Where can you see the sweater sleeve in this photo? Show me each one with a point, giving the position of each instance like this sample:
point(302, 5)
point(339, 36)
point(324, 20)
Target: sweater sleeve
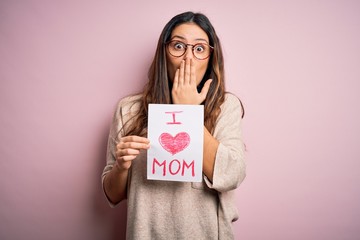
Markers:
point(111, 148)
point(122, 114)
point(229, 168)
point(111, 145)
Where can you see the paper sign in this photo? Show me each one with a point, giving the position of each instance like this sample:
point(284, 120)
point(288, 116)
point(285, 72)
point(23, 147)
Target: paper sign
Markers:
point(176, 134)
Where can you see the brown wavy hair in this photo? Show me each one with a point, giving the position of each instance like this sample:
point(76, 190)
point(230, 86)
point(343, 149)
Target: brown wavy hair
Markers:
point(158, 88)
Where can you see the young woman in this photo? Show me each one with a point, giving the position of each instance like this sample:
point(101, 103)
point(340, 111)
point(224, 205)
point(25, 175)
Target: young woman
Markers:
point(188, 68)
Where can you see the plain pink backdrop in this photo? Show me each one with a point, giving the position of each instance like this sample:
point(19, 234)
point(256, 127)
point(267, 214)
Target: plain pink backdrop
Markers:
point(295, 65)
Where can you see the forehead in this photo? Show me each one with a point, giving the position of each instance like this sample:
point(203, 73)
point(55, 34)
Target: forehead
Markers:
point(189, 32)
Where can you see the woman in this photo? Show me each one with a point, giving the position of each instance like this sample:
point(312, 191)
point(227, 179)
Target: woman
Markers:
point(188, 68)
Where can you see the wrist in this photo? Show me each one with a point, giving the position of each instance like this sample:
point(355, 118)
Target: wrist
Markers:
point(118, 169)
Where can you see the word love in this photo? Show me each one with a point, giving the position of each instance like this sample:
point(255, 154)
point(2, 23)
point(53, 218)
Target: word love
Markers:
point(174, 144)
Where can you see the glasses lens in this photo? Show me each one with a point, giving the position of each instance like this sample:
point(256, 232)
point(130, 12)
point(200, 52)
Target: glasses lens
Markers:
point(176, 48)
point(201, 50)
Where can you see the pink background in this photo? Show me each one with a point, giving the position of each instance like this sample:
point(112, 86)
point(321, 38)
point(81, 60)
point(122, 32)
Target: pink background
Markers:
point(295, 65)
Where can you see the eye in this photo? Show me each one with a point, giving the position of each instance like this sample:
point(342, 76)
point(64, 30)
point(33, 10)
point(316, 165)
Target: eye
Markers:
point(178, 46)
point(199, 48)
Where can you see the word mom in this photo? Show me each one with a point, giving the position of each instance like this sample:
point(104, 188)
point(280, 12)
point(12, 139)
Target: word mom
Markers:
point(173, 167)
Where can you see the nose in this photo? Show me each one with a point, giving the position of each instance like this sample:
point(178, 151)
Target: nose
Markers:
point(189, 52)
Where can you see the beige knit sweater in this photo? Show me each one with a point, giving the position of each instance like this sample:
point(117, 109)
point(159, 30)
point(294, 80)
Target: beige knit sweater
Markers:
point(167, 210)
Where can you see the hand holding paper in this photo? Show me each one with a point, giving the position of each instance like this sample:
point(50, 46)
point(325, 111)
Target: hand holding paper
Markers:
point(128, 148)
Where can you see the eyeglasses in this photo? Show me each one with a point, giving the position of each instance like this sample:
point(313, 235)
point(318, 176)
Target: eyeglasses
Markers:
point(200, 50)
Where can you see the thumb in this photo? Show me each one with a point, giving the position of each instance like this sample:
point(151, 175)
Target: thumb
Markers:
point(205, 89)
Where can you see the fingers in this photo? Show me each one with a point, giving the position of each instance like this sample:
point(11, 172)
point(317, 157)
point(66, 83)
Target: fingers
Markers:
point(128, 149)
point(181, 73)
point(123, 165)
point(126, 158)
point(134, 139)
point(185, 74)
point(187, 71)
point(205, 89)
point(184, 90)
point(132, 145)
point(124, 162)
point(192, 73)
point(176, 79)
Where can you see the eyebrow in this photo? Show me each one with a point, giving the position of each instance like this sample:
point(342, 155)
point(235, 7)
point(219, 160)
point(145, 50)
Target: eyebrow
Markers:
point(197, 39)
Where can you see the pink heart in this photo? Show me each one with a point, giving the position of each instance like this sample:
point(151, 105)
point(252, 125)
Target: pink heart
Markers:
point(174, 144)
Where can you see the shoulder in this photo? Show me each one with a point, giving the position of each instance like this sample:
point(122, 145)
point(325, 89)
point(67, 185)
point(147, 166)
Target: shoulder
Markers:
point(129, 100)
point(231, 98)
point(127, 105)
point(232, 103)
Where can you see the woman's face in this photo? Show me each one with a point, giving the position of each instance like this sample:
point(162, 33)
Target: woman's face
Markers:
point(188, 33)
